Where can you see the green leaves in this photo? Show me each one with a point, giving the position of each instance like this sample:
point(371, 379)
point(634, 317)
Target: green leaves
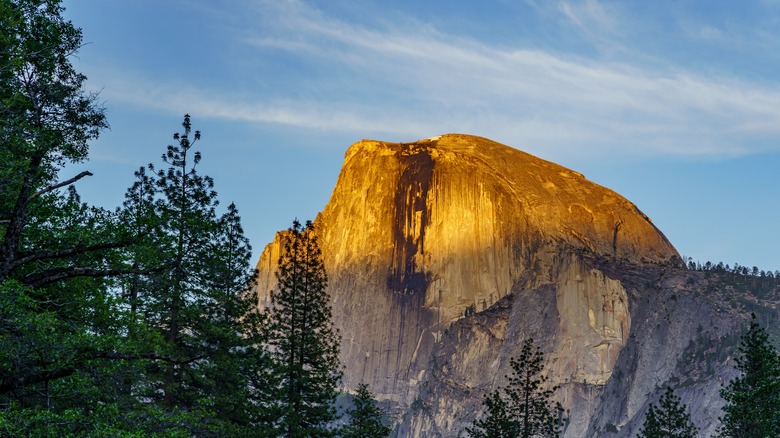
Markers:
point(46, 118)
point(42, 96)
point(499, 421)
point(142, 311)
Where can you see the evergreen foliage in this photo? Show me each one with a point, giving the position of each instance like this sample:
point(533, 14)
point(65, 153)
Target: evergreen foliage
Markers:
point(101, 312)
point(523, 408)
point(113, 323)
point(669, 420)
point(365, 418)
point(302, 341)
point(753, 399)
point(138, 321)
point(192, 309)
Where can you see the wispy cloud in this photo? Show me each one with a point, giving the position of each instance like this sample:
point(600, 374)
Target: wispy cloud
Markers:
point(432, 81)
point(589, 16)
point(327, 116)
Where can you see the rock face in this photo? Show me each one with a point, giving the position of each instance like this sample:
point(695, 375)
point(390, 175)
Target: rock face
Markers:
point(416, 235)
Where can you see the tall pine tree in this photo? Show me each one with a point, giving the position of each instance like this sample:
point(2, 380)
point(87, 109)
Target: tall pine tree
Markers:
point(669, 420)
point(193, 310)
point(88, 297)
point(525, 409)
point(753, 399)
point(302, 341)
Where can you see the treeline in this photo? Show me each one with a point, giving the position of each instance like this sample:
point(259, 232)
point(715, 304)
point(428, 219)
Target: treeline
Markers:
point(736, 269)
point(525, 406)
point(140, 321)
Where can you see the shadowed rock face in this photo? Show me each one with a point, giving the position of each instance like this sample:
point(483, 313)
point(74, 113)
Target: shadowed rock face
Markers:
point(684, 332)
point(416, 233)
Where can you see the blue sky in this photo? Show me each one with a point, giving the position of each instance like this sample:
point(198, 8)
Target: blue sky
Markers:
point(674, 104)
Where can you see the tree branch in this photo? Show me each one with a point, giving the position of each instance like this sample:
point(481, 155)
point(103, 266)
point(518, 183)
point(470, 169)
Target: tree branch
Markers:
point(16, 219)
point(44, 376)
point(58, 185)
point(80, 249)
point(47, 277)
point(11, 384)
point(151, 356)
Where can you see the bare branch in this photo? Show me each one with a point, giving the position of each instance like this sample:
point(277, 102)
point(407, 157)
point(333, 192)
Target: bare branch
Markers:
point(58, 185)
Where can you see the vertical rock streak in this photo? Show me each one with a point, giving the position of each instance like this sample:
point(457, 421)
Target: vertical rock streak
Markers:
point(415, 234)
point(412, 217)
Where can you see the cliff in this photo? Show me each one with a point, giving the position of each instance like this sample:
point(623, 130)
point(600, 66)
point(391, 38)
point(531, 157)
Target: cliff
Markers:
point(417, 233)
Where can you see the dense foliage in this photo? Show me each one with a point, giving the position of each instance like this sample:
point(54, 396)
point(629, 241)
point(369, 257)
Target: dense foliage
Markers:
point(190, 308)
point(57, 320)
point(132, 321)
point(138, 321)
point(524, 407)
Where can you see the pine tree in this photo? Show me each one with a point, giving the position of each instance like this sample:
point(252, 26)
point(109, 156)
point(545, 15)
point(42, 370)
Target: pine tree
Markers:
point(526, 408)
point(234, 332)
point(187, 209)
point(365, 418)
point(669, 420)
point(302, 341)
point(753, 399)
point(193, 310)
point(87, 295)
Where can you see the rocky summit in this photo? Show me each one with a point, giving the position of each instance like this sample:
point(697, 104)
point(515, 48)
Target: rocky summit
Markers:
point(444, 254)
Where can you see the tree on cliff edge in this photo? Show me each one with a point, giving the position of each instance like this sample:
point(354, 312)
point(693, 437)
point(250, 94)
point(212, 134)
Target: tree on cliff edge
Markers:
point(753, 399)
point(302, 341)
point(669, 420)
point(525, 409)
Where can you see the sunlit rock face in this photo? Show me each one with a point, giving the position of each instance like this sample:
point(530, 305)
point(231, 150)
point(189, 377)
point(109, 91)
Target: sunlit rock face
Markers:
point(417, 233)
